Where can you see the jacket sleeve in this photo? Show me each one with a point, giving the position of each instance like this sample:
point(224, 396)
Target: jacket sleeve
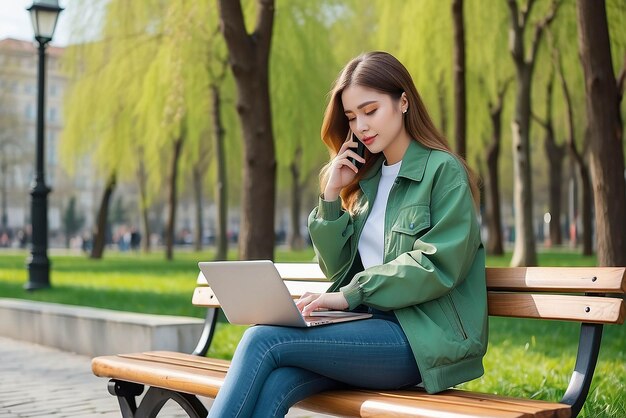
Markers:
point(331, 228)
point(438, 261)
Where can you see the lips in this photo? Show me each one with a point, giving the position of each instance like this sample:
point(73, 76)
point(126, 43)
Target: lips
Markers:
point(367, 140)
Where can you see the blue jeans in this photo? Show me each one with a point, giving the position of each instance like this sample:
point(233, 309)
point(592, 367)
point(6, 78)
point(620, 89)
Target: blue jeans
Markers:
point(275, 367)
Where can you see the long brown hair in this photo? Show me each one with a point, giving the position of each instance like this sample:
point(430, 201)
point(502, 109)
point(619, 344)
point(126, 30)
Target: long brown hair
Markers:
point(380, 71)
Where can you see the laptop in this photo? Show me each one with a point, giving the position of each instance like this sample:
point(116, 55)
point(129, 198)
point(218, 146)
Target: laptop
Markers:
point(252, 292)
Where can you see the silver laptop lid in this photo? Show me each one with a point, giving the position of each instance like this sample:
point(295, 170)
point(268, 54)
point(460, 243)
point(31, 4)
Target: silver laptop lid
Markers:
point(252, 292)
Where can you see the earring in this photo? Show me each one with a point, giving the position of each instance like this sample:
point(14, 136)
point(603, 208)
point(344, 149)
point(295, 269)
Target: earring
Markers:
point(404, 111)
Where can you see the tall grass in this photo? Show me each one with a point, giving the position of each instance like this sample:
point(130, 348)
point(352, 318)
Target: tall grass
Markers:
point(526, 358)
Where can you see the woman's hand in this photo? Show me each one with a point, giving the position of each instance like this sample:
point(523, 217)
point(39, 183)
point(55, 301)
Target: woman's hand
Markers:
point(310, 302)
point(342, 171)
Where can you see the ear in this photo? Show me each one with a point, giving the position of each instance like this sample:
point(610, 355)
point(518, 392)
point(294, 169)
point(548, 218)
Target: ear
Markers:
point(404, 103)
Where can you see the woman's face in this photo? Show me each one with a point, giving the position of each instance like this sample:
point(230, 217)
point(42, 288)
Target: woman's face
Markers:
point(377, 120)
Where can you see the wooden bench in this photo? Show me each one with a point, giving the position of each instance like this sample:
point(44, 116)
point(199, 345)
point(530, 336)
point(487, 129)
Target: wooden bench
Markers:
point(552, 293)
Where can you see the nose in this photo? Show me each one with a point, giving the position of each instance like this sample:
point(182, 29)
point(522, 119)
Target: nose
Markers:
point(361, 125)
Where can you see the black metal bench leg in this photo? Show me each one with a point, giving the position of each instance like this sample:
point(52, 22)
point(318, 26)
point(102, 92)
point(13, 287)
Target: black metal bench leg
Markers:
point(126, 393)
point(210, 323)
point(153, 401)
point(155, 398)
point(588, 350)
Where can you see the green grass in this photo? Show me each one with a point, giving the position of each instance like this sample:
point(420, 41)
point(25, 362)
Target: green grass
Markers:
point(526, 358)
point(122, 281)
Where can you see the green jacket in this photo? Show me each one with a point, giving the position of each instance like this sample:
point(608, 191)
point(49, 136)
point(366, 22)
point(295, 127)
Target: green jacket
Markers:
point(433, 276)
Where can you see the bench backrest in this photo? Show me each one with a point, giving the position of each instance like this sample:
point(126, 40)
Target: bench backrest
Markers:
point(592, 296)
point(561, 293)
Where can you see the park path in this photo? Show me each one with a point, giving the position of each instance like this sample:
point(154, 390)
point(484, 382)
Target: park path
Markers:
point(37, 381)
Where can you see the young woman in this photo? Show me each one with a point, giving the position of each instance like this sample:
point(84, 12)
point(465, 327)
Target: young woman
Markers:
point(399, 238)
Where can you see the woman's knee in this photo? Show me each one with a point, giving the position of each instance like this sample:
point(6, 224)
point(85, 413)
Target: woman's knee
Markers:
point(264, 338)
point(257, 335)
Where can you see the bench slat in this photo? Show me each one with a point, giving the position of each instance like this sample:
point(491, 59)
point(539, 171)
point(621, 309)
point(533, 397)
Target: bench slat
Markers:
point(398, 408)
point(519, 305)
point(180, 360)
point(419, 403)
point(560, 279)
point(598, 310)
point(289, 271)
point(301, 271)
point(557, 279)
point(193, 380)
point(537, 408)
point(544, 409)
point(204, 296)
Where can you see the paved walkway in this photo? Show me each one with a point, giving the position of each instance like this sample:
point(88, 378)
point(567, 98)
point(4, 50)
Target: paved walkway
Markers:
point(37, 381)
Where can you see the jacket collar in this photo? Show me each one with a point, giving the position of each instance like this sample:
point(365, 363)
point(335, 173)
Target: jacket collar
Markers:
point(413, 163)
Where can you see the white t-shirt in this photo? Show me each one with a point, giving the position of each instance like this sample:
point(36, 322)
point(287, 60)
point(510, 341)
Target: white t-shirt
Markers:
point(372, 240)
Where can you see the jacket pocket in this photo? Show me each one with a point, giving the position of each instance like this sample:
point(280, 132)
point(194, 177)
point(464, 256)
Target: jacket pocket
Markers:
point(409, 223)
point(449, 309)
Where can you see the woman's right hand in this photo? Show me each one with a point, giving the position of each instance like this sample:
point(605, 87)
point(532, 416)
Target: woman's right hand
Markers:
point(342, 171)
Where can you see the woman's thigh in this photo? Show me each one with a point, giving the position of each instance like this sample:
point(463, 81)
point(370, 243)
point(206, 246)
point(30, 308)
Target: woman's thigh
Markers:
point(371, 353)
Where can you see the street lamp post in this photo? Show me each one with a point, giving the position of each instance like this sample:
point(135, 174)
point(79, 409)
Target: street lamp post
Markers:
point(44, 15)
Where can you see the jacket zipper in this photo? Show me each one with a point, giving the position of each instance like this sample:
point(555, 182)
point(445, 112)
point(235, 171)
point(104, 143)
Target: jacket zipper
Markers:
point(457, 318)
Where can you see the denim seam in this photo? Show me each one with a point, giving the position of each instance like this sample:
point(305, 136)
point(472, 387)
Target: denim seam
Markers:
point(256, 375)
point(295, 388)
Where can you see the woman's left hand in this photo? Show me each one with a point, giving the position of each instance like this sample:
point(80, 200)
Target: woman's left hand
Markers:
point(310, 302)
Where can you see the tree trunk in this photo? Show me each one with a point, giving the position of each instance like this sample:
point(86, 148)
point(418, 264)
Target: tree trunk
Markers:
point(249, 61)
point(524, 253)
point(492, 186)
point(606, 153)
point(100, 232)
point(145, 219)
point(221, 197)
point(197, 187)
point(555, 154)
point(295, 240)
point(555, 157)
point(578, 160)
point(170, 230)
point(459, 78)
point(586, 212)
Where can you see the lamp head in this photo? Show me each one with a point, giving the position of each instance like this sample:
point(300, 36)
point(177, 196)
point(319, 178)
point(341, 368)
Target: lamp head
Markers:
point(44, 15)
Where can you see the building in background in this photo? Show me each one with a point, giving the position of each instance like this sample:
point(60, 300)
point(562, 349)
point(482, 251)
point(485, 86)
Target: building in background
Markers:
point(18, 118)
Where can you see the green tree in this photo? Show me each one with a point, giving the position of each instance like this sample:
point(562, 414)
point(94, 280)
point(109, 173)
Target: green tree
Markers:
point(72, 221)
point(221, 188)
point(148, 79)
point(249, 61)
point(606, 131)
point(555, 153)
point(524, 253)
point(99, 121)
point(301, 71)
point(101, 227)
point(492, 199)
point(119, 213)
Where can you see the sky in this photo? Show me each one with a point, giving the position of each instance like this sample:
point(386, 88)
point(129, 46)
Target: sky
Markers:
point(15, 22)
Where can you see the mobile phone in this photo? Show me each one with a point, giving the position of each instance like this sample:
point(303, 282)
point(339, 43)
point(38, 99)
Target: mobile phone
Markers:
point(360, 150)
